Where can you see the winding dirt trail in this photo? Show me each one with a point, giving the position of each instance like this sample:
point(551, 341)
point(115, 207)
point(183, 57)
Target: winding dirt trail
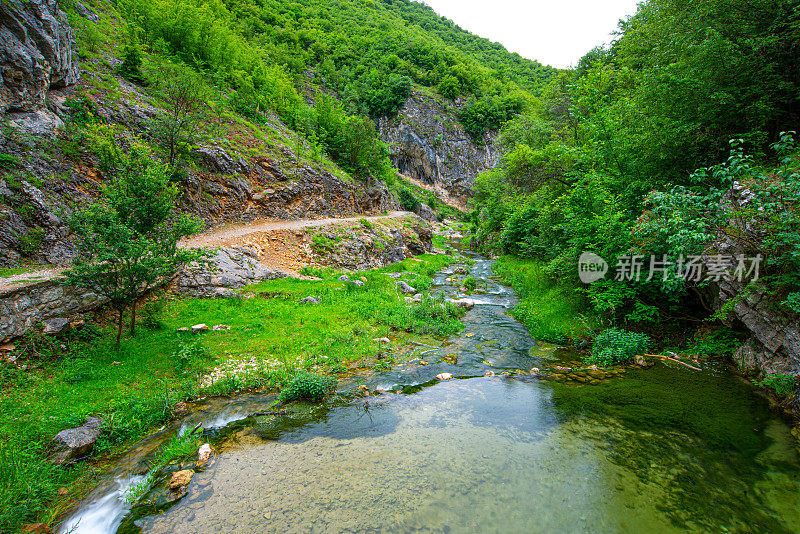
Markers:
point(217, 236)
point(221, 234)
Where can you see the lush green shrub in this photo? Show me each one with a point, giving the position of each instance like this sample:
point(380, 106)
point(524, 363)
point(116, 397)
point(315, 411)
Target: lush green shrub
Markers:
point(470, 283)
point(131, 66)
point(8, 160)
point(480, 116)
point(408, 201)
point(188, 352)
point(782, 384)
point(617, 346)
point(307, 386)
point(31, 242)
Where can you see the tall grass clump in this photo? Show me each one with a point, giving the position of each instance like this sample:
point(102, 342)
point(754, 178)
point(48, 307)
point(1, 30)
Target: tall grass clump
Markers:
point(27, 483)
point(549, 310)
point(617, 346)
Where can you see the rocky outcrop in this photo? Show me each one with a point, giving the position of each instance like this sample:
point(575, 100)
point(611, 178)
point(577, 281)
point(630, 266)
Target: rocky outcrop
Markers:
point(37, 52)
point(227, 270)
point(360, 248)
point(429, 144)
point(774, 343)
point(237, 190)
point(75, 443)
point(24, 307)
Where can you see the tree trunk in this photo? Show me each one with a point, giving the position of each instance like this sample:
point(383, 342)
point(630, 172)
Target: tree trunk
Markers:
point(133, 319)
point(119, 326)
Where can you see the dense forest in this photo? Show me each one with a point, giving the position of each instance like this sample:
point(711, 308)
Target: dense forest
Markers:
point(635, 151)
point(368, 54)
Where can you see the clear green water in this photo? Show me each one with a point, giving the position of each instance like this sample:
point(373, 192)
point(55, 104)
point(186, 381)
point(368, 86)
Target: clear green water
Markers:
point(659, 450)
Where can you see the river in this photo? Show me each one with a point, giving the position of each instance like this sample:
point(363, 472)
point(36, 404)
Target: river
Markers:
point(665, 449)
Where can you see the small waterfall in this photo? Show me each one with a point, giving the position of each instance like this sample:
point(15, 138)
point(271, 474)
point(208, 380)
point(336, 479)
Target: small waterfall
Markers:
point(105, 514)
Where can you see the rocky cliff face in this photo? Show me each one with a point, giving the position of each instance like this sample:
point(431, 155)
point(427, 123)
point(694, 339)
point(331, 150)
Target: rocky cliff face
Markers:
point(429, 144)
point(37, 52)
point(774, 343)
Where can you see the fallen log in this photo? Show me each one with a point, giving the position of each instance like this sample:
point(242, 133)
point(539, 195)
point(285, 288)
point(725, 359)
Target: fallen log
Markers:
point(660, 356)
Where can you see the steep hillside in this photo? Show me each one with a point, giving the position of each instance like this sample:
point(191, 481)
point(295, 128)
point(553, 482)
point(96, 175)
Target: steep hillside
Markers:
point(263, 110)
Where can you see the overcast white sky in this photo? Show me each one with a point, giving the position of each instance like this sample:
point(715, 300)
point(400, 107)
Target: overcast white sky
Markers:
point(555, 32)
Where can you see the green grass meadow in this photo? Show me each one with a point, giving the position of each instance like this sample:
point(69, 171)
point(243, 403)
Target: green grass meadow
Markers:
point(134, 386)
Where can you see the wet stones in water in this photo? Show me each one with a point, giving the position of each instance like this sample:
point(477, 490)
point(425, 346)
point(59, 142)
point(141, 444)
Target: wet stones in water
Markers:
point(444, 376)
point(451, 359)
point(204, 455)
point(179, 480)
point(467, 304)
point(460, 269)
point(488, 374)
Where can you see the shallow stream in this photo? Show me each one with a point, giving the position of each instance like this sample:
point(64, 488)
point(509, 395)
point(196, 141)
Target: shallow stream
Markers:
point(665, 449)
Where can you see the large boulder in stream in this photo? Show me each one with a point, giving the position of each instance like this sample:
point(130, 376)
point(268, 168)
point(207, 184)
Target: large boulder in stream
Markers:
point(75, 443)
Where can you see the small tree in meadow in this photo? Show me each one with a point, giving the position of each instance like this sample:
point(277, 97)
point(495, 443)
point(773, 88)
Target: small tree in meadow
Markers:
point(129, 238)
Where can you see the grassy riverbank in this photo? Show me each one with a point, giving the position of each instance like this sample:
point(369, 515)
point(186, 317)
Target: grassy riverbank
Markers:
point(134, 387)
point(549, 311)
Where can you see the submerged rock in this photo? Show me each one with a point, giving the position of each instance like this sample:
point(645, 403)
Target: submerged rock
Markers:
point(467, 304)
point(180, 479)
point(75, 443)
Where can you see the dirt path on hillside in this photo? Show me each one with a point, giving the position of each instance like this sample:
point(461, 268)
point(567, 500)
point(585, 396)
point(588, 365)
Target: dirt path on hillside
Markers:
point(222, 234)
point(281, 257)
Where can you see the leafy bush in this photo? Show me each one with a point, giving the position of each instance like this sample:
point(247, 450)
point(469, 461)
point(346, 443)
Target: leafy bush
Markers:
point(307, 386)
point(187, 352)
point(617, 346)
point(783, 384)
point(408, 201)
point(31, 242)
point(8, 161)
point(792, 302)
point(470, 283)
point(366, 224)
point(722, 342)
point(480, 116)
point(131, 66)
